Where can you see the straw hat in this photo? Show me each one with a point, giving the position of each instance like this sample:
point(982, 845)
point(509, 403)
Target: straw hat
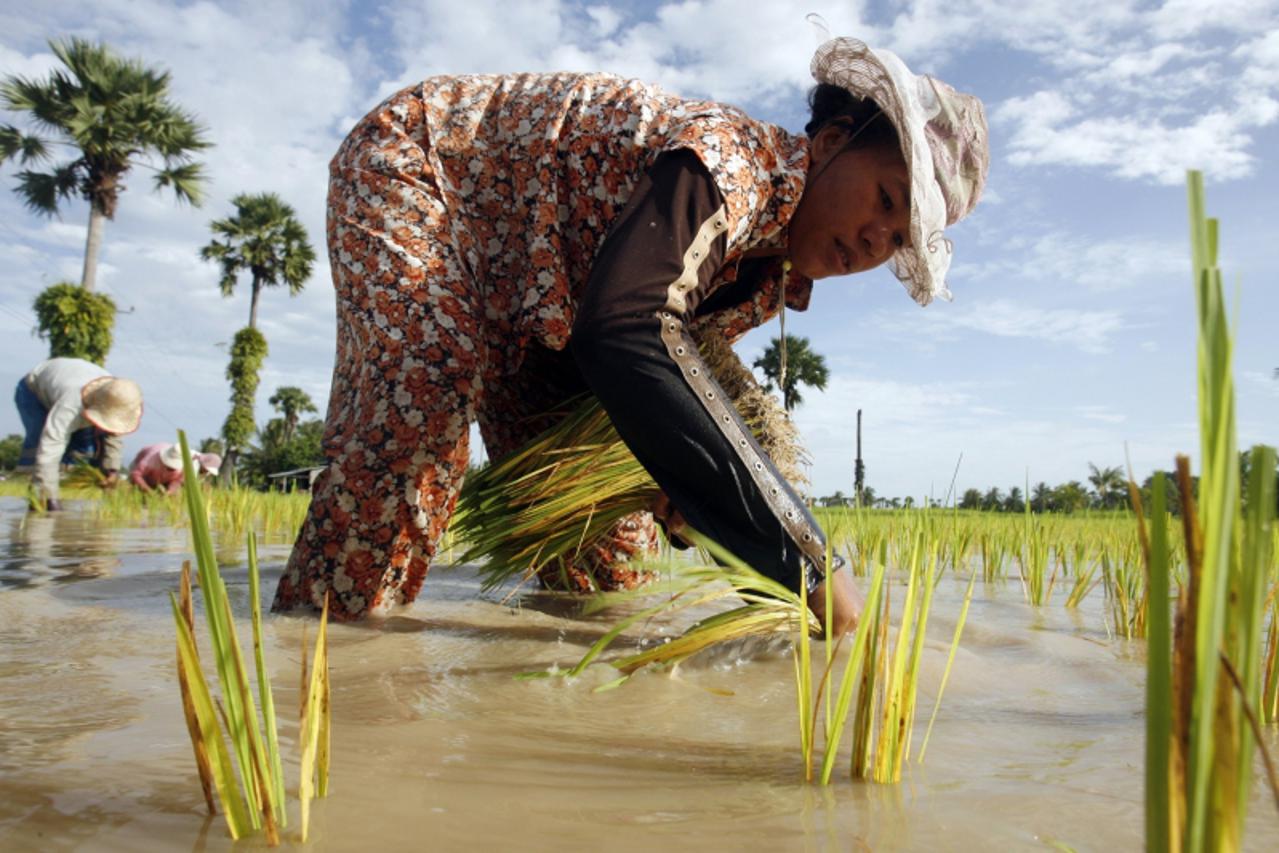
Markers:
point(943, 139)
point(171, 456)
point(210, 463)
point(112, 405)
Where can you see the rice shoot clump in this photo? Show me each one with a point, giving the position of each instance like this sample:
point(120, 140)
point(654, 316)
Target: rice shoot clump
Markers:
point(1204, 666)
point(246, 774)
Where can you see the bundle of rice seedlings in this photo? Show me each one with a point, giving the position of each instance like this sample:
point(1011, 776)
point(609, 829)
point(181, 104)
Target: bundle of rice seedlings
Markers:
point(247, 776)
point(548, 502)
point(1204, 666)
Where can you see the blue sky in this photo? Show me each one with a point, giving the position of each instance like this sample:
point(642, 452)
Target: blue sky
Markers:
point(1071, 334)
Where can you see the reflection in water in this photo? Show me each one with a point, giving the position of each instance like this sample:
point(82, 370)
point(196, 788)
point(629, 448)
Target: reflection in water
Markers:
point(1039, 739)
point(53, 547)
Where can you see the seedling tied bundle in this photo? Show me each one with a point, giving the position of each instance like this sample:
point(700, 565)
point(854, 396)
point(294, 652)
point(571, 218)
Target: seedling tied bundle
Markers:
point(534, 511)
point(247, 776)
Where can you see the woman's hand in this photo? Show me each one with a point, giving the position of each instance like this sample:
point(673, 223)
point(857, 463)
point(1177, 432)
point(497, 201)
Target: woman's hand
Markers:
point(670, 519)
point(846, 603)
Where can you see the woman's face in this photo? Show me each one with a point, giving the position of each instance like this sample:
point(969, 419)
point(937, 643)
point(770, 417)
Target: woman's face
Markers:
point(855, 211)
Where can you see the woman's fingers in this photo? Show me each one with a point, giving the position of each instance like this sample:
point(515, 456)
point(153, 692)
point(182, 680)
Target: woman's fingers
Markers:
point(671, 520)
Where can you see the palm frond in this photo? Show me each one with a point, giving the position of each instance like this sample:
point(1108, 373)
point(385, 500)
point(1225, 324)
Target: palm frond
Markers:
point(187, 182)
point(27, 148)
point(41, 191)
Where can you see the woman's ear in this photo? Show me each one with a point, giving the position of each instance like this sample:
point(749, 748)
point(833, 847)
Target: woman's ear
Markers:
point(828, 142)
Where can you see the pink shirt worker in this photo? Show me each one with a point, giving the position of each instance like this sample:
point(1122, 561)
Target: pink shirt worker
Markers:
point(157, 465)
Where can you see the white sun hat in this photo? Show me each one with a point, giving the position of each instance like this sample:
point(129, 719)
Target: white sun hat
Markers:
point(210, 463)
point(171, 456)
point(112, 404)
point(943, 140)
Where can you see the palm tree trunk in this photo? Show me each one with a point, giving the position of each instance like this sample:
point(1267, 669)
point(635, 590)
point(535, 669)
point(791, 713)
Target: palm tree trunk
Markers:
point(227, 473)
point(253, 303)
point(93, 241)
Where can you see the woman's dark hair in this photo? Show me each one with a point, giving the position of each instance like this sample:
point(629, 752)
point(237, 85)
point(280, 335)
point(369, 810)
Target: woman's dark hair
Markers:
point(836, 105)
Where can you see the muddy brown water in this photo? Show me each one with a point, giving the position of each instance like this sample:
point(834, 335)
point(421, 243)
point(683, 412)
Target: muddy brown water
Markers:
point(438, 747)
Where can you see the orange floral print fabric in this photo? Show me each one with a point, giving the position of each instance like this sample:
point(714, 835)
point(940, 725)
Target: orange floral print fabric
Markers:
point(463, 217)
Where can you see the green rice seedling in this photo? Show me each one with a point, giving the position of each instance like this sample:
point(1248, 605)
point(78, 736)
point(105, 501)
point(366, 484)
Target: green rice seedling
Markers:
point(252, 798)
point(250, 805)
point(1270, 691)
point(1204, 676)
point(804, 687)
point(855, 667)
point(950, 660)
point(994, 551)
point(314, 725)
point(886, 679)
point(187, 611)
point(1126, 596)
point(1036, 581)
point(868, 547)
point(902, 679)
point(960, 543)
point(1084, 570)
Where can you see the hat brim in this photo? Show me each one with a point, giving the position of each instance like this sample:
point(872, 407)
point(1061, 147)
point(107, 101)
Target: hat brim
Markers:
point(116, 423)
point(171, 457)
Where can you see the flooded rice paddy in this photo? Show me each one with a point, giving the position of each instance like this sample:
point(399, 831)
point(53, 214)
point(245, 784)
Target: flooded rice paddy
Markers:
point(438, 747)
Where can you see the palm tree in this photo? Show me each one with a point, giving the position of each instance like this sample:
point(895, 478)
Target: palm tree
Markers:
point(992, 501)
point(264, 238)
point(115, 113)
point(1071, 496)
point(1108, 483)
point(1041, 499)
point(1014, 502)
point(291, 402)
point(803, 367)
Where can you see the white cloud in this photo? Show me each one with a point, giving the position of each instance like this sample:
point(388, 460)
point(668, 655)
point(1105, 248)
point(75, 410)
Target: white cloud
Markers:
point(1262, 381)
point(1048, 130)
point(33, 67)
point(1180, 18)
point(1140, 93)
point(1088, 331)
point(1071, 262)
point(1100, 413)
point(694, 48)
point(1260, 58)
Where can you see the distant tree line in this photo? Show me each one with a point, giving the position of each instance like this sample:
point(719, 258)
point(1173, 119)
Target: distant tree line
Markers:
point(1107, 489)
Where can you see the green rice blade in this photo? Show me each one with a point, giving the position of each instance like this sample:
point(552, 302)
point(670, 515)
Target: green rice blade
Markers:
point(233, 805)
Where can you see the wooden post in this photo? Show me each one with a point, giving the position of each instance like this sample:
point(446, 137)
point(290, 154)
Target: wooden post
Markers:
point(859, 469)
